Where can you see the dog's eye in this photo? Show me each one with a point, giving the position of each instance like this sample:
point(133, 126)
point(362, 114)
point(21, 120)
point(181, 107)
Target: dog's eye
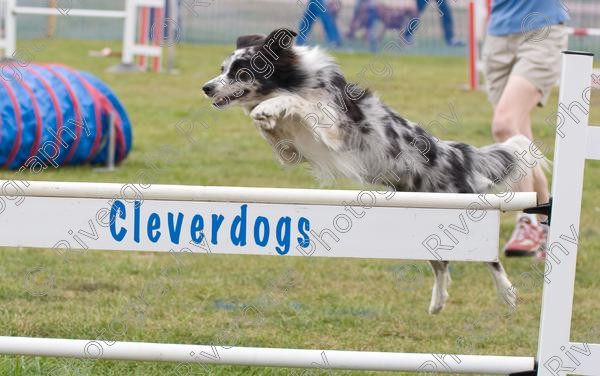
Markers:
point(222, 69)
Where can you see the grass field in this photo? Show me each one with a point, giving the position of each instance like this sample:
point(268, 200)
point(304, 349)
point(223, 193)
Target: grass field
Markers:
point(304, 302)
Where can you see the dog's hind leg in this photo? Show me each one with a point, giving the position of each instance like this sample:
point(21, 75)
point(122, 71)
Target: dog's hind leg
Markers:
point(441, 281)
point(503, 285)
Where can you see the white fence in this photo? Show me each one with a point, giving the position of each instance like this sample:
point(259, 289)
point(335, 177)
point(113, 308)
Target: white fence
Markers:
point(9, 10)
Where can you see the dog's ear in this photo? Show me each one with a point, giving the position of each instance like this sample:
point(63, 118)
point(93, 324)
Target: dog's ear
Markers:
point(279, 41)
point(249, 40)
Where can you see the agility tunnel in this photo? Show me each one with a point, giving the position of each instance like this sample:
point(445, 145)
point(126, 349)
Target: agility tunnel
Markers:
point(53, 115)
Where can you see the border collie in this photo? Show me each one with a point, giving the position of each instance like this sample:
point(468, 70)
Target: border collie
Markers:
point(298, 95)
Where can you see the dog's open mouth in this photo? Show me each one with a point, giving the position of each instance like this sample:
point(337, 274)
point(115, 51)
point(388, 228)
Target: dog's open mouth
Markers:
point(226, 100)
point(221, 101)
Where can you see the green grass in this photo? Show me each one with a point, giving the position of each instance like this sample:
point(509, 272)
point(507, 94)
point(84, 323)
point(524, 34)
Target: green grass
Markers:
point(305, 303)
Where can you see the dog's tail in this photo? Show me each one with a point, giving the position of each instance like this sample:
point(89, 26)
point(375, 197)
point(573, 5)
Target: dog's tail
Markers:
point(510, 165)
point(521, 144)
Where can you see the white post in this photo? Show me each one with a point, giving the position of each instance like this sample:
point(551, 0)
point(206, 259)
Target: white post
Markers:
point(10, 32)
point(561, 253)
point(129, 32)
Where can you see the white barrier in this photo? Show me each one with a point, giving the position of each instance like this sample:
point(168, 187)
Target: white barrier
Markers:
point(44, 200)
point(260, 221)
point(265, 357)
point(578, 143)
point(9, 10)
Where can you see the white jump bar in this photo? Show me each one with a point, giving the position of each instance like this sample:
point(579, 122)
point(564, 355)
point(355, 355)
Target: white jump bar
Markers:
point(70, 12)
point(150, 3)
point(519, 201)
point(140, 49)
point(265, 357)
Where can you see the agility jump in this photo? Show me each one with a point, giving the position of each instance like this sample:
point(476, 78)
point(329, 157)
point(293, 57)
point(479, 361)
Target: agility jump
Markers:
point(282, 222)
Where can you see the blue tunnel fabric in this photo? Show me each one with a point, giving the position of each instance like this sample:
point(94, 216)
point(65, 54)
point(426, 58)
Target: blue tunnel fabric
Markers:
point(53, 115)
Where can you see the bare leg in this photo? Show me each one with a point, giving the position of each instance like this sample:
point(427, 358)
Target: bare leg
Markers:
point(512, 117)
point(441, 281)
point(511, 114)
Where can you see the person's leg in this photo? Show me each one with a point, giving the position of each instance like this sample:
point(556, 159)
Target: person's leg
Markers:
point(512, 113)
point(408, 34)
point(512, 117)
point(513, 98)
point(306, 22)
point(355, 22)
point(331, 31)
point(421, 4)
point(535, 72)
point(446, 21)
point(371, 23)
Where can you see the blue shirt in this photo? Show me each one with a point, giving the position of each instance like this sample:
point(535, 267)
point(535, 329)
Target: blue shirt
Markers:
point(522, 16)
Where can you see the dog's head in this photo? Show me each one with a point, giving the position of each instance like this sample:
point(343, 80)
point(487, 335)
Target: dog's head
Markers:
point(259, 66)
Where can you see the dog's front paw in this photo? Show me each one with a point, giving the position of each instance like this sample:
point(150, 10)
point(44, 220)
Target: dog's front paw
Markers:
point(264, 116)
point(263, 121)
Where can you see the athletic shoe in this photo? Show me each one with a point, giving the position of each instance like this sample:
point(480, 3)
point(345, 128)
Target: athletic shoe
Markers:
point(526, 240)
point(455, 42)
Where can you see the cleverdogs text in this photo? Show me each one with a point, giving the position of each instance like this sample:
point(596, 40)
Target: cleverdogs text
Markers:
point(129, 222)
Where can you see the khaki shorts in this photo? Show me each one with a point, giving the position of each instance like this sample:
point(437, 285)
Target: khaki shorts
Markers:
point(535, 57)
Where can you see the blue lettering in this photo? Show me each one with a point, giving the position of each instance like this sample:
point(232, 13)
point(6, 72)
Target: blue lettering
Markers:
point(304, 229)
point(175, 229)
point(117, 207)
point(217, 221)
point(239, 224)
point(197, 228)
point(265, 238)
point(136, 221)
point(153, 226)
point(284, 230)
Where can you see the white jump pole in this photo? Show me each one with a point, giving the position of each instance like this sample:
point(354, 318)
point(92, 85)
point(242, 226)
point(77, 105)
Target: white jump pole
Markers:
point(266, 357)
point(575, 142)
point(519, 201)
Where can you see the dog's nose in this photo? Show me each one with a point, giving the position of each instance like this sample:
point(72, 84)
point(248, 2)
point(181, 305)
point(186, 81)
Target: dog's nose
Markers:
point(207, 89)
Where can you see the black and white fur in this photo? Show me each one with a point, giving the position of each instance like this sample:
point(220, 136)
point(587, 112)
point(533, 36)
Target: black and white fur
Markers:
point(283, 87)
